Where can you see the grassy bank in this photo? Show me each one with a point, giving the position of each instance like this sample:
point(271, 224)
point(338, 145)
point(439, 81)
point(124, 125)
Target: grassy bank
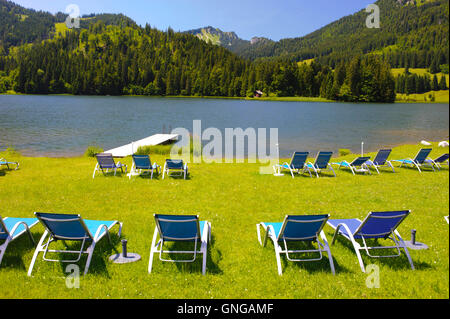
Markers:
point(429, 97)
point(234, 198)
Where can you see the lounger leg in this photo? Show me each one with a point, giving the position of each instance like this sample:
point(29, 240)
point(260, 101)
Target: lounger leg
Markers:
point(355, 244)
point(3, 248)
point(402, 245)
point(391, 166)
point(153, 249)
point(328, 250)
point(90, 252)
point(331, 168)
point(39, 248)
point(95, 170)
point(277, 255)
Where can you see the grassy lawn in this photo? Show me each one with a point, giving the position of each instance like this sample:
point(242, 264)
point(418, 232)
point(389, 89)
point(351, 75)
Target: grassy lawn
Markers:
point(429, 97)
point(234, 198)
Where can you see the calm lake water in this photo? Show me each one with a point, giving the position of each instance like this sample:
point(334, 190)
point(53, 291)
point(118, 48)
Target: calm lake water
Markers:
point(67, 125)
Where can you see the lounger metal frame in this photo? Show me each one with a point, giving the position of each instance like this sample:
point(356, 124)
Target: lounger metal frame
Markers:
point(376, 164)
point(157, 247)
point(415, 162)
point(436, 161)
point(144, 171)
point(315, 167)
point(322, 246)
point(6, 163)
point(392, 235)
point(293, 168)
point(354, 169)
point(10, 234)
point(88, 239)
point(178, 171)
point(105, 170)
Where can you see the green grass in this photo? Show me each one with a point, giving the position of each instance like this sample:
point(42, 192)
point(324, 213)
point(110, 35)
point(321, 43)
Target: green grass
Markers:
point(234, 198)
point(398, 71)
point(429, 97)
point(61, 28)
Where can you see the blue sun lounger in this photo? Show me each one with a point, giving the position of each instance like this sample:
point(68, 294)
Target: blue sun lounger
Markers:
point(297, 229)
point(105, 163)
point(13, 228)
point(178, 228)
point(377, 225)
point(357, 166)
point(419, 161)
point(4, 162)
point(321, 164)
point(438, 162)
point(71, 227)
point(142, 165)
point(175, 168)
point(297, 164)
point(381, 160)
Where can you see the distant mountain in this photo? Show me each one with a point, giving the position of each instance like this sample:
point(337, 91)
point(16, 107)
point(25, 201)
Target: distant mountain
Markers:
point(20, 25)
point(229, 40)
point(413, 33)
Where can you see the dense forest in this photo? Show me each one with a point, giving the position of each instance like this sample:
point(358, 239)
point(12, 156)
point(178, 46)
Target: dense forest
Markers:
point(112, 55)
point(410, 35)
point(115, 60)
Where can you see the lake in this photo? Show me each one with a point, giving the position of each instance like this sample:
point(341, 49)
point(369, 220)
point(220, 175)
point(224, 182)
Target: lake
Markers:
point(59, 126)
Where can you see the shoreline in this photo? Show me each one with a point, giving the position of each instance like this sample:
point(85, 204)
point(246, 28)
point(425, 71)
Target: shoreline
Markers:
point(272, 98)
point(18, 153)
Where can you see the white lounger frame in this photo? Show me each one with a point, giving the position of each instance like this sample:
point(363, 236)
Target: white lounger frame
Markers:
point(279, 168)
point(118, 165)
point(369, 163)
point(89, 250)
point(270, 232)
point(178, 172)
point(432, 162)
point(364, 168)
point(135, 171)
point(317, 171)
point(395, 237)
point(157, 246)
point(412, 162)
point(10, 238)
point(6, 163)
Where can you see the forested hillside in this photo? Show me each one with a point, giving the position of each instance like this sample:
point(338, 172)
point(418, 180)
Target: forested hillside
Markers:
point(112, 55)
point(410, 35)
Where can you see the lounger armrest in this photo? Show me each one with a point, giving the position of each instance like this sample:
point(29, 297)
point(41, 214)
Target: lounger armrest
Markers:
point(97, 236)
point(17, 225)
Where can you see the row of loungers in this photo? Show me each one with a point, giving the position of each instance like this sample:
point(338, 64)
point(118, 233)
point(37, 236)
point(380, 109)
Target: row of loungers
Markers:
point(141, 165)
point(361, 164)
point(189, 228)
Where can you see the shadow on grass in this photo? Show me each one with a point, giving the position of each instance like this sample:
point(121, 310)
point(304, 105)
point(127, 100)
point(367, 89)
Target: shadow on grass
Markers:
point(178, 177)
point(16, 249)
point(213, 257)
point(396, 263)
point(311, 266)
point(103, 250)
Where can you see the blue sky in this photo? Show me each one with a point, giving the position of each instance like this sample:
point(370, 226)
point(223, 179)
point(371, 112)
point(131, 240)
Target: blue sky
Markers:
point(268, 18)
